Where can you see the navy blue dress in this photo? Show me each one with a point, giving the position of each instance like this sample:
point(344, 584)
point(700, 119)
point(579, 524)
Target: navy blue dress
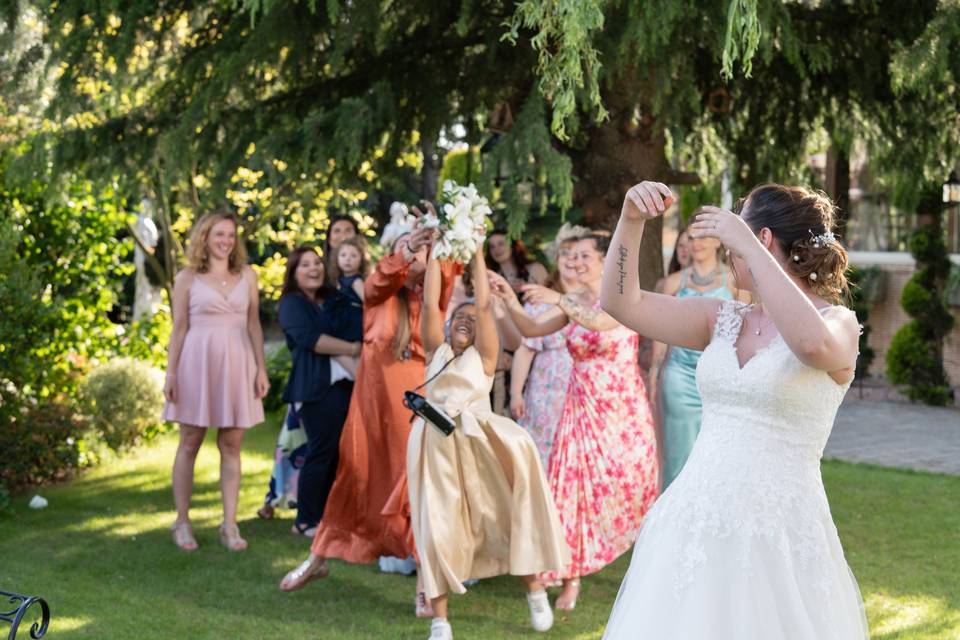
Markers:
point(322, 405)
point(344, 311)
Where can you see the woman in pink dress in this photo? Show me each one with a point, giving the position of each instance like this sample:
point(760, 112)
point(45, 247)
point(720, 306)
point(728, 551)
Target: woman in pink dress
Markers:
point(540, 372)
point(603, 469)
point(215, 368)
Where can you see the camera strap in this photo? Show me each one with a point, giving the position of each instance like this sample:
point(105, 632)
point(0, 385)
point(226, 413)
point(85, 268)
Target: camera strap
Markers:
point(431, 378)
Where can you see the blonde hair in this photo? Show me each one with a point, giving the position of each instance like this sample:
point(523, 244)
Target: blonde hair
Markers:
point(401, 340)
point(360, 244)
point(197, 257)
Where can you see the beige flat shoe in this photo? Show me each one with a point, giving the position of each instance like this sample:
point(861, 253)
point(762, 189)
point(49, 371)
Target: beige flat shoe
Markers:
point(567, 601)
point(230, 538)
point(183, 536)
point(307, 572)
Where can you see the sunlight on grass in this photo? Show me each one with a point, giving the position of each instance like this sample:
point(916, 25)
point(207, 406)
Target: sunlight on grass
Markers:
point(102, 556)
point(895, 616)
point(62, 624)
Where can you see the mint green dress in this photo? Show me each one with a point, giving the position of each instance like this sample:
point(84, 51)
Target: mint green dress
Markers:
point(679, 398)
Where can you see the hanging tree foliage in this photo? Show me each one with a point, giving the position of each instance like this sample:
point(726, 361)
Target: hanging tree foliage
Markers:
point(605, 93)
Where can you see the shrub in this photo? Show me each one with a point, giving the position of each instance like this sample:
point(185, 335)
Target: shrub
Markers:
point(6, 506)
point(912, 360)
point(279, 363)
point(861, 307)
point(124, 399)
point(45, 442)
point(915, 357)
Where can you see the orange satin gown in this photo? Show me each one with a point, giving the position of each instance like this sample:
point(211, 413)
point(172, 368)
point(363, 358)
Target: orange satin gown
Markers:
point(364, 518)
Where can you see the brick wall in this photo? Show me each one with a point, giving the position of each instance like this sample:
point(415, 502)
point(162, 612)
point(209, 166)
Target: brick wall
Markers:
point(888, 316)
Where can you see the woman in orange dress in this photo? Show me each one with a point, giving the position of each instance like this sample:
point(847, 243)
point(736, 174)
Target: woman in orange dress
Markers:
point(363, 518)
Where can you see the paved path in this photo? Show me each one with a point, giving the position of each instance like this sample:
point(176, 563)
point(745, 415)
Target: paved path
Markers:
point(897, 435)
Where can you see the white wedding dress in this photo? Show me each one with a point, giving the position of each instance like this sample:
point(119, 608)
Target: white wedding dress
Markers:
point(742, 546)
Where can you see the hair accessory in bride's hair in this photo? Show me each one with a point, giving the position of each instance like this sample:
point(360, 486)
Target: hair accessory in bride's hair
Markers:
point(796, 258)
point(822, 239)
point(813, 276)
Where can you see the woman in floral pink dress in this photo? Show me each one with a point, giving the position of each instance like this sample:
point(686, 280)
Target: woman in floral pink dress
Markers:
point(603, 468)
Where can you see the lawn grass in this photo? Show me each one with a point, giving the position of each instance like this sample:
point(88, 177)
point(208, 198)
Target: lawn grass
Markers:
point(102, 555)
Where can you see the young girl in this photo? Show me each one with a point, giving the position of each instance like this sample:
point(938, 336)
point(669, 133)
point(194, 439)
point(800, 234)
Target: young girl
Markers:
point(345, 307)
point(479, 500)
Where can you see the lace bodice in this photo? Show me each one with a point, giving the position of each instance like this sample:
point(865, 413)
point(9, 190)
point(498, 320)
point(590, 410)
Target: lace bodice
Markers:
point(774, 398)
point(755, 467)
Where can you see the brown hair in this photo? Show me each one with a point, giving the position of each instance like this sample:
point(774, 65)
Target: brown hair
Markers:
point(360, 244)
point(802, 221)
point(290, 285)
point(401, 340)
point(518, 251)
point(675, 259)
point(197, 257)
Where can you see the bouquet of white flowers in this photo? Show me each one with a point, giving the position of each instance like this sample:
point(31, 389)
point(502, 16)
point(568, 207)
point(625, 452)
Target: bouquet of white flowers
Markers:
point(463, 221)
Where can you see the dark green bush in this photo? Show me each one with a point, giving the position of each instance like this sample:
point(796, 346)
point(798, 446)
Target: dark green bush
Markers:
point(124, 400)
point(278, 369)
point(861, 308)
point(6, 505)
point(912, 361)
point(46, 442)
point(915, 356)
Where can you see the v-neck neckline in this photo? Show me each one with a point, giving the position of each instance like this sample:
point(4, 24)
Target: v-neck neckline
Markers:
point(736, 341)
point(217, 291)
point(765, 347)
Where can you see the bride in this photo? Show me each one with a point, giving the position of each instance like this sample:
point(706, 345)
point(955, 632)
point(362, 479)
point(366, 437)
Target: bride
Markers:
point(742, 545)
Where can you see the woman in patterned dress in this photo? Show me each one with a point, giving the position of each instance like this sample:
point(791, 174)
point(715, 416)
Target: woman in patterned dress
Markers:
point(603, 469)
point(540, 374)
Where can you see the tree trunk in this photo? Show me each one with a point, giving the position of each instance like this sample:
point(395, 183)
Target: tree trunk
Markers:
point(431, 168)
point(838, 186)
point(621, 152)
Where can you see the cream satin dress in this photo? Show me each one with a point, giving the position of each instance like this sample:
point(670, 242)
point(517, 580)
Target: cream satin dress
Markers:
point(479, 499)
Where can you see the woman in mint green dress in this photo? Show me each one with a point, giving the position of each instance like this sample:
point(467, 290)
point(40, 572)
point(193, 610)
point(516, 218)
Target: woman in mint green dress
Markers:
point(679, 400)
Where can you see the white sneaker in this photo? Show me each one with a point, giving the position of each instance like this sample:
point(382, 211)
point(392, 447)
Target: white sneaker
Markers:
point(440, 629)
point(390, 564)
point(541, 615)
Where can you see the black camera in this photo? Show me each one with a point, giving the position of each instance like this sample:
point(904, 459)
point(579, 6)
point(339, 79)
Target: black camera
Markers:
point(429, 412)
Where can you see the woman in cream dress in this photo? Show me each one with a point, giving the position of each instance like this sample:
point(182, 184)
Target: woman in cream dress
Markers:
point(479, 500)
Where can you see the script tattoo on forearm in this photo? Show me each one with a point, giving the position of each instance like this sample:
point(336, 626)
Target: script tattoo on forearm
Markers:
point(581, 314)
point(621, 271)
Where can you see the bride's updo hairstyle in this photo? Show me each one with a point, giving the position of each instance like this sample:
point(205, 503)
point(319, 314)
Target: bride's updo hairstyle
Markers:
point(801, 221)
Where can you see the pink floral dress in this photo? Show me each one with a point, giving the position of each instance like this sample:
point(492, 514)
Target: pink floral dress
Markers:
point(545, 392)
point(603, 469)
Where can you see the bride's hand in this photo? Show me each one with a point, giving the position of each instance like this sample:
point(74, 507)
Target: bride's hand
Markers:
point(728, 228)
point(646, 200)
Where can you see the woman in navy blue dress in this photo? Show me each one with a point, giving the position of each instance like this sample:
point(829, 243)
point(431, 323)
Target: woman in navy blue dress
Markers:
point(319, 387)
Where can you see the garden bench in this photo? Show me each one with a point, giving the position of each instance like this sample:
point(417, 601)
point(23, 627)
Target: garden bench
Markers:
point(15, 616)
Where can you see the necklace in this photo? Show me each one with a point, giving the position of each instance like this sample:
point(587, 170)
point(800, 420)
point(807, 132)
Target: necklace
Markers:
point(761, 326)
point(702, 281)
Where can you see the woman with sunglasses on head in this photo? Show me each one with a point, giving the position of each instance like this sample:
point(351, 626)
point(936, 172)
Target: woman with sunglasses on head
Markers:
point(603, 466)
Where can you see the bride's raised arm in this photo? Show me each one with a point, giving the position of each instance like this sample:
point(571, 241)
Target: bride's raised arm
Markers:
point(685, 322)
